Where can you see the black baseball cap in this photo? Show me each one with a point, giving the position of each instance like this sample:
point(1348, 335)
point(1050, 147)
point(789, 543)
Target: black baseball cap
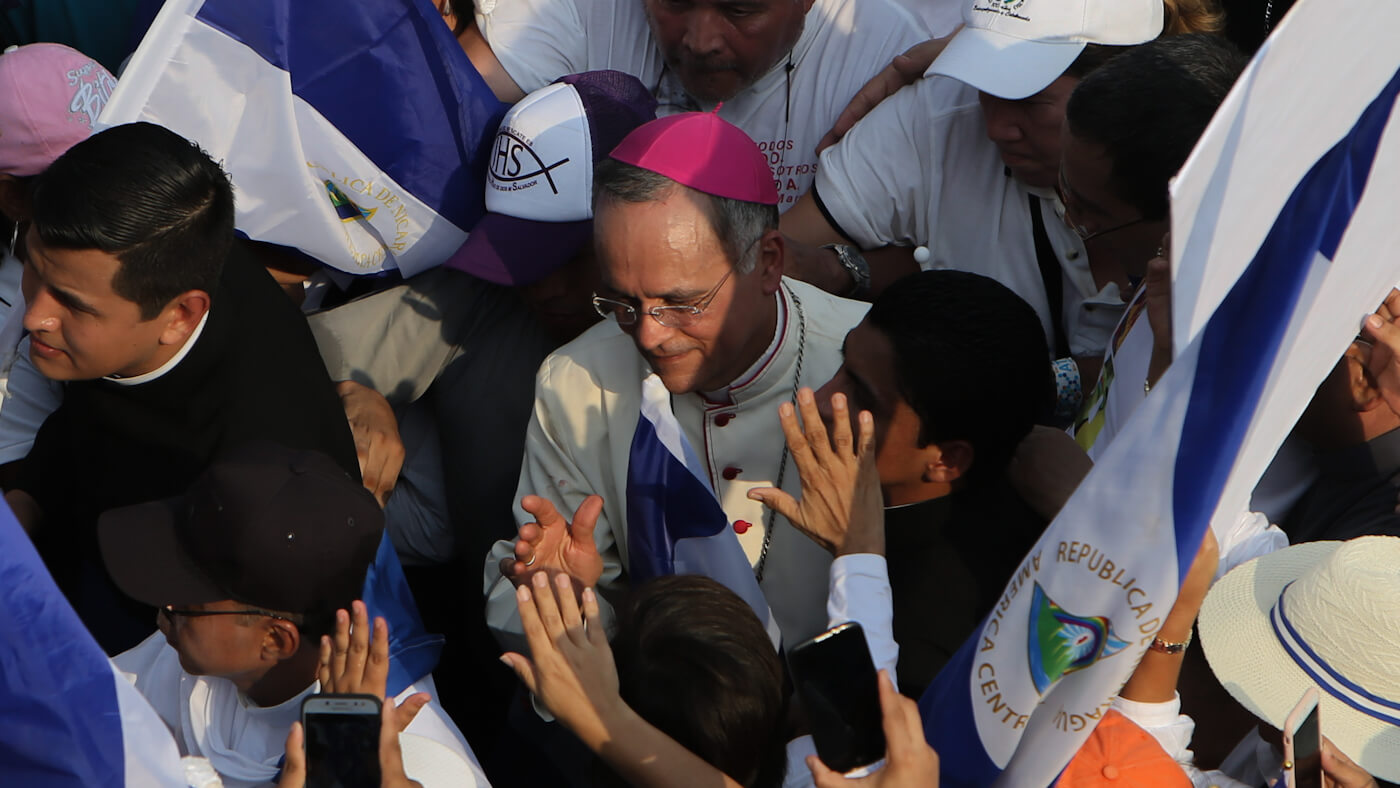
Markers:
point(264, 525)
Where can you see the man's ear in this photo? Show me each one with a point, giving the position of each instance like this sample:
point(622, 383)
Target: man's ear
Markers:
point(282, 640)
point(1365, 393)
point(948, 461)
point(772, 257)
point(182, 316)
point(14, 198)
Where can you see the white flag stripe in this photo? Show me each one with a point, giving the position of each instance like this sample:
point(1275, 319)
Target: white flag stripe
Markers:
point(151, 757)
point(249, 120)
point(1301, 94)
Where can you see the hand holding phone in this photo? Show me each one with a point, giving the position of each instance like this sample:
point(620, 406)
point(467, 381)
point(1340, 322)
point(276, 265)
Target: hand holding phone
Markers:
point(342, 740)
point(1302, 744)
point(836, 680)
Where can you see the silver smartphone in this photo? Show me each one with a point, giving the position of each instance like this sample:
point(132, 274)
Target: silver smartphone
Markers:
point(342, 740)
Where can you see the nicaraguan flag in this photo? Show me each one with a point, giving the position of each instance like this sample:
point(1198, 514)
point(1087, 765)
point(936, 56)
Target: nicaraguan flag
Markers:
point(1284, 228)
point(675, 525)
point(413, 650)
point(353, 131)
point(67, 717)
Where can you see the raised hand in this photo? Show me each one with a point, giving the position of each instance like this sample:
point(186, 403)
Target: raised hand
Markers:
point(553, 545)
point(356, 660)
point(571, 667)
point(1384, 363)
point(841, 507)
point(909, 761)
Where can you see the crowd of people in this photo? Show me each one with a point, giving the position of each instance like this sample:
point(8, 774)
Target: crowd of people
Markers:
point(875, 301)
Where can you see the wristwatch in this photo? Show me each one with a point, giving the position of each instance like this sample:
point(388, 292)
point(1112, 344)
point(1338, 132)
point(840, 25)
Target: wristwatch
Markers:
point(854, 262)
point(1164, 647)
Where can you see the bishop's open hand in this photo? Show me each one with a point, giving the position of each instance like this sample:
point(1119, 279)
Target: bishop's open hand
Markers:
point(554, 545)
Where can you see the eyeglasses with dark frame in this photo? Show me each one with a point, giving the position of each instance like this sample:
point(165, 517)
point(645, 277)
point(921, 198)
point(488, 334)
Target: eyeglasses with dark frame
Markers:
point(1062, 191)
point(171, 612)
point(669, 316)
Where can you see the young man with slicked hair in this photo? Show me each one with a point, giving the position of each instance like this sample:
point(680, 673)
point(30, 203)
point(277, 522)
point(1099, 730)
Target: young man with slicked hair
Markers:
point(171, 344)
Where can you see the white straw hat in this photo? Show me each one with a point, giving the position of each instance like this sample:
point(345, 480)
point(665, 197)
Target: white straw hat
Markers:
point(1016, 48)
point(1323, 614)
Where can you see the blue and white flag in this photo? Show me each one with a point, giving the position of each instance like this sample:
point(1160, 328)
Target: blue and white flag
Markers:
point(413, 650)
point(675, 525)
point(353, 131)
point(1284, 231)
point(67, 717)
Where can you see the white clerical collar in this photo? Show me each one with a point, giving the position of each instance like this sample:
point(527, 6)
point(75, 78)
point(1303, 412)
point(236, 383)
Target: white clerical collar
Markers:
point(723, 395)
point(184, 350)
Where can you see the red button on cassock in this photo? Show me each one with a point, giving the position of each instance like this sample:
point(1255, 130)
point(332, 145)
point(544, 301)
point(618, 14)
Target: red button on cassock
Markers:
point(731, 473)
point(723, 419)
point(741, 526)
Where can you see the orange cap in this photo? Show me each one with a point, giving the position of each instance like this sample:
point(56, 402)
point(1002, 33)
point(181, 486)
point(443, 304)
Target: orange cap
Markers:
point(1119, 754)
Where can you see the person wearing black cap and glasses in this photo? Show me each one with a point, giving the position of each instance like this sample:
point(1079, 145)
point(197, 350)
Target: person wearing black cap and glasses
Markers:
point(249, 570)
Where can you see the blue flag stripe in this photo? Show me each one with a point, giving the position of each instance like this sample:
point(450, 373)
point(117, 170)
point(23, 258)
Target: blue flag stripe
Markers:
point(946, 708)
point(62, 724)
point(666, 502)
point(1256, 315)
point(431, 110)
point(413, 651)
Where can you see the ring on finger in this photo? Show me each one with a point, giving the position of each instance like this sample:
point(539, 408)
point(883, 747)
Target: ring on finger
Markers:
point(531, 562)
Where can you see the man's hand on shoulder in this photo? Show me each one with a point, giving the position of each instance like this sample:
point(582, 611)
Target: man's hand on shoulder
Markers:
point(375, 429)
point(554, 545)
point(905, 69)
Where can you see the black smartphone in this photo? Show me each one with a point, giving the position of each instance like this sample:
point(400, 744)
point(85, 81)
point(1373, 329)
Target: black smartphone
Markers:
point(835, 678)
point(342, 740)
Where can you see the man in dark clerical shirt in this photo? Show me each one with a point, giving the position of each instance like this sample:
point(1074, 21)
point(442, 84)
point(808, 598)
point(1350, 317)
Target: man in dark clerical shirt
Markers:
point(1356, 436)
point(173, 346)
point(954, 369)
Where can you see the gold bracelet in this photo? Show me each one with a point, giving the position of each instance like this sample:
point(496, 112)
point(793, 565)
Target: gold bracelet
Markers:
point(1165, 647)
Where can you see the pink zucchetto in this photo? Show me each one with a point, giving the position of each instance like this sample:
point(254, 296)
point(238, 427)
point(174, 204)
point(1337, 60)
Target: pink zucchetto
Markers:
point(704, 152)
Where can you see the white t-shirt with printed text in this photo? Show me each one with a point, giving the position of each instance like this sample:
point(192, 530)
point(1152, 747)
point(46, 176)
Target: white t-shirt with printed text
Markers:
point(919, 170)
point(843, 44)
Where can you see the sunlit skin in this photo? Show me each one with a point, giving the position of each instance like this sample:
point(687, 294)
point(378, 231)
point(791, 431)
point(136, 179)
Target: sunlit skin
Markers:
point(720, 47)
point(81, 329)
point(1027, 131)
point(909, 473)
point(216, 645)
point(264, 657)
point(664, 253)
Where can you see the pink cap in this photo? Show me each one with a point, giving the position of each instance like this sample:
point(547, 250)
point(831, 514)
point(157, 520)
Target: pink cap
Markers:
point(50, 97)
point(704, 152)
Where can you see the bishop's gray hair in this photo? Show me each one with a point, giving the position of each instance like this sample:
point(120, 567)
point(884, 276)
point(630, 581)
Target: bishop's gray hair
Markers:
point(737, 224)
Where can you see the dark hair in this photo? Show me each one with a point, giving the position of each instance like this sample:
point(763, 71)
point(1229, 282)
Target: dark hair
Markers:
point(737, 224)
point(971, 361)
point(463, 10)
point(694, 660)
point(1093, 58)
point(1148, 107)
point(148, 196)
